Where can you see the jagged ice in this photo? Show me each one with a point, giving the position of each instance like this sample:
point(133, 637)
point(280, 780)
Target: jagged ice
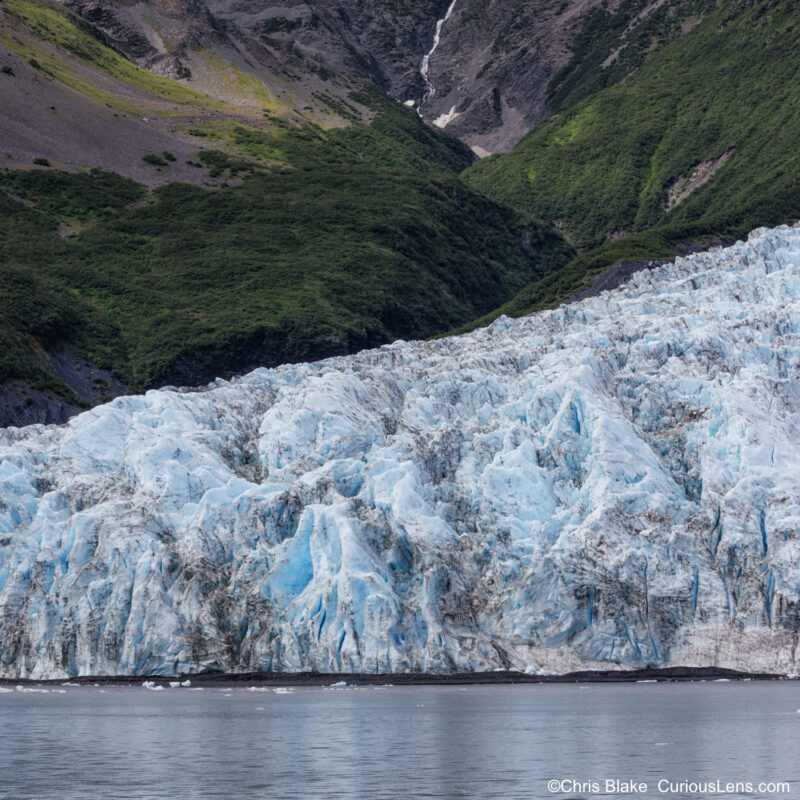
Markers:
point(614, 483)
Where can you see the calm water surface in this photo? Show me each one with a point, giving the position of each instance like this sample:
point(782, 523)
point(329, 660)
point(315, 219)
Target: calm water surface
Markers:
point(423, 742)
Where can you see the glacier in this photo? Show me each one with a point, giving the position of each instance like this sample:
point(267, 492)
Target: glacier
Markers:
point(608, 485)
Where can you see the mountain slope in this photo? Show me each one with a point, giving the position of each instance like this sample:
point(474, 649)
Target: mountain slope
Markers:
point(481, 69)
point(72, 97)
point(707, 128)
point(329, 242)
point(677, 127)
point(330, 217)
point(608, 485)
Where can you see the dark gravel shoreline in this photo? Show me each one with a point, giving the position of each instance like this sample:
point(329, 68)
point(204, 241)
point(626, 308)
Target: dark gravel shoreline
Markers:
point(668, 675)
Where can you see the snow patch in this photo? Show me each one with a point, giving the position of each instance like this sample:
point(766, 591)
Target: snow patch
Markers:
point(445, 119)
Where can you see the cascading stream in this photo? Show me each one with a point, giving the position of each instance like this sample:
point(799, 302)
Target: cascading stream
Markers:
point(424, 68)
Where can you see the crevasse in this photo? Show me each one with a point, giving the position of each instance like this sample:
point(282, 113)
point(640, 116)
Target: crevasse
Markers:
point(611, 484)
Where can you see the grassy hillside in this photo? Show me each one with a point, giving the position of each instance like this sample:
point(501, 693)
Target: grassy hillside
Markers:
point(714, 97)
point(318, 243)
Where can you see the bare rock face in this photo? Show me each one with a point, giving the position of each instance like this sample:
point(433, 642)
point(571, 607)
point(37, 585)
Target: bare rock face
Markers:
point(21, 404)
point(480, 69)
point(323, 39)
point(381, 41)
point(157, 34)
point(492, 67)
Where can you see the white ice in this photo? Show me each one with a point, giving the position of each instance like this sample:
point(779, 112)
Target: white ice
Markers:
point(611, 484)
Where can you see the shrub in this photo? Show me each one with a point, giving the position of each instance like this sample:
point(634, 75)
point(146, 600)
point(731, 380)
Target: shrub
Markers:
point(154, 160)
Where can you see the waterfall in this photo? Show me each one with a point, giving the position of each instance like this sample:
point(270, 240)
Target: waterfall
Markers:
point(426, 59)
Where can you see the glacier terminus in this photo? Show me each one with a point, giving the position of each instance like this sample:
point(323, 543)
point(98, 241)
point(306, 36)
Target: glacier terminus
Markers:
point(611, 484)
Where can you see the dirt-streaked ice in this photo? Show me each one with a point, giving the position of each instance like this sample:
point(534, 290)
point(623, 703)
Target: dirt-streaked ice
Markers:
point(613, 483)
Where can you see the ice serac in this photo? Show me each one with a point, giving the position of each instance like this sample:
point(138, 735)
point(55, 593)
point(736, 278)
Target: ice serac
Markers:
point(612, 484)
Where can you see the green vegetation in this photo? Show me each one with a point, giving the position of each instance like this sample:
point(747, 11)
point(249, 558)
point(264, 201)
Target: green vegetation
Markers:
point(352, 238)
point(701, 90)
point(154, 159)
point(37, 312)
point(395, 139)
point(605, 166)
point(610, 47)
point(82, 196)
point(50, 22)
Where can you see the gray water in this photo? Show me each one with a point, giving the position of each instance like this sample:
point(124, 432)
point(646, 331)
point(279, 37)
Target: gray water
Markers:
point(421, 742)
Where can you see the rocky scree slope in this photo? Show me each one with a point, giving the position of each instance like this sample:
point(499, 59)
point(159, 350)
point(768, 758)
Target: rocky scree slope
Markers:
point(610, 484)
